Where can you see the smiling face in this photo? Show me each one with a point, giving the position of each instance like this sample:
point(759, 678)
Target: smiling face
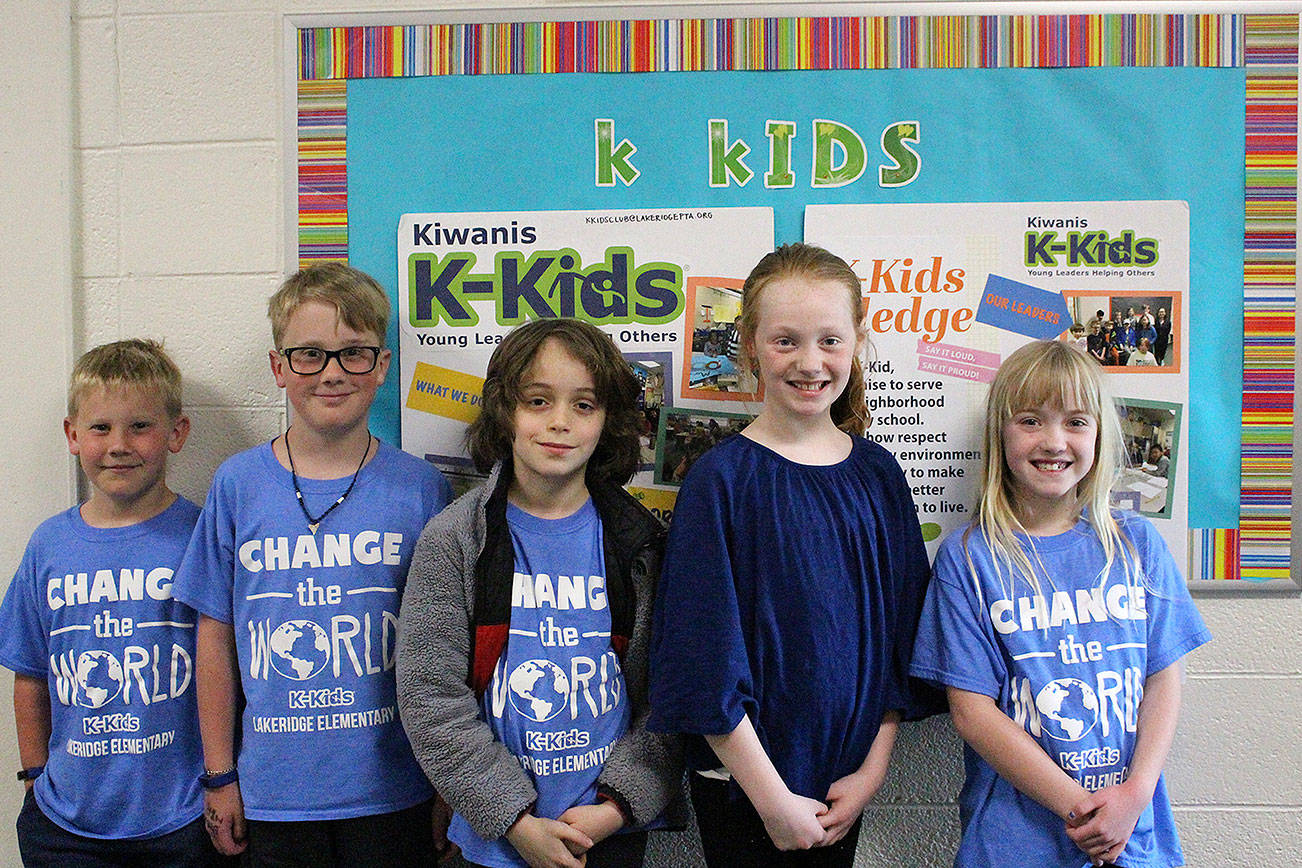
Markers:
point(1048, 451)
point(805, 342)
point(558, 422)
point(122, 435)
point(333, 402)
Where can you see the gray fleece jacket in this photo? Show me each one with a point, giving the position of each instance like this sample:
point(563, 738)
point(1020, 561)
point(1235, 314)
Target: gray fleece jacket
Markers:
point(454, 616)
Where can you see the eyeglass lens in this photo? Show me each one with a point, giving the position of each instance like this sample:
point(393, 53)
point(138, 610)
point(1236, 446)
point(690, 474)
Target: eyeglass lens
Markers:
point(313, 360)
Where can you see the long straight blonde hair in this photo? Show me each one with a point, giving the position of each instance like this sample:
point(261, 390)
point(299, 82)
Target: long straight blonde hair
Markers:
point(1053, 373)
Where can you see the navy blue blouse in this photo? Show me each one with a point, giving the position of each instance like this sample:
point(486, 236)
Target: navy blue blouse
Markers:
point(790, 593)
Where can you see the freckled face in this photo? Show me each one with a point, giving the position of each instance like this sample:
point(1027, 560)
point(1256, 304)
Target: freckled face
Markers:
point(805, 341)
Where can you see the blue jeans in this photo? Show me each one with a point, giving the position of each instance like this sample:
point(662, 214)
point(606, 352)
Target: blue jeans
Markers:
point(45, 844)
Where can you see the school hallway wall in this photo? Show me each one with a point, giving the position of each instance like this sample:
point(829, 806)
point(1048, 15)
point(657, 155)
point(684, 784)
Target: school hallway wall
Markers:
point(144, 194)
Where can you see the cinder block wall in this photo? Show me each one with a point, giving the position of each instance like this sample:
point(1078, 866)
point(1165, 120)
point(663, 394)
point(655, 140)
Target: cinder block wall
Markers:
point(175, 143)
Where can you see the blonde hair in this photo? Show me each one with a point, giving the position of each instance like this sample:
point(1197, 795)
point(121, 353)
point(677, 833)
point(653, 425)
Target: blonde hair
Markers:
point(135, 362)
point(360, 303)
point(850, 409)
point(1049, 372)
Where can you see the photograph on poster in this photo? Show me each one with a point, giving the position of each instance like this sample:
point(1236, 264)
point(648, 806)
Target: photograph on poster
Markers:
point(1127, 331)
point(1151, 431)
point(459, 471)
point(710, 366)
point(654, 371)
point(686, 435)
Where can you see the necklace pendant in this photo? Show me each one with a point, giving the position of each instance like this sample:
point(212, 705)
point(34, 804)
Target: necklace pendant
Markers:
point(314, 523)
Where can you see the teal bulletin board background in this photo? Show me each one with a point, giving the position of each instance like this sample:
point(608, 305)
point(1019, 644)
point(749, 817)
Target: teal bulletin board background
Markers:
point(526, 142)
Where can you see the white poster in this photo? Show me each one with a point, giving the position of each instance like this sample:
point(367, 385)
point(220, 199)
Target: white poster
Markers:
point(951, 289)
point(664, 284)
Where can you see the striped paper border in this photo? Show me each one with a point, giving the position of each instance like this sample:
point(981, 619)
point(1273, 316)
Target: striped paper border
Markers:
point(1265, 45)
point(701, 45)
point(1269, 300)
point(322, 171)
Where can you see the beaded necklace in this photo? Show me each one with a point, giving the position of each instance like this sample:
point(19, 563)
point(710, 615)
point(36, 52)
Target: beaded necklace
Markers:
point(314, 523)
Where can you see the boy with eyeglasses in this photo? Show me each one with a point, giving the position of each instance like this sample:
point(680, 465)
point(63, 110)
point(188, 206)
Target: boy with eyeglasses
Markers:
point(297, 567)
point(103, 655)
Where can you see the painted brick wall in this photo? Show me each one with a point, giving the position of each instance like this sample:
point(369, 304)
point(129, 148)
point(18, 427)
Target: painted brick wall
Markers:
point(178, 225)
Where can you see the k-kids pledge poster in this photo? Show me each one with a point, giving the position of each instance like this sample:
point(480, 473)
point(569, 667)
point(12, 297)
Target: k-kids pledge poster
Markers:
point(950, 290)
point(665, 284)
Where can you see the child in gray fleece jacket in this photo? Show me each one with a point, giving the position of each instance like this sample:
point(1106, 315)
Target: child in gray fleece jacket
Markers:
point(525, 625)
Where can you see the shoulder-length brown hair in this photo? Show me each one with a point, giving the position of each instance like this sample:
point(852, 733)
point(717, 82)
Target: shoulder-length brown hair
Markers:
point(618, 450)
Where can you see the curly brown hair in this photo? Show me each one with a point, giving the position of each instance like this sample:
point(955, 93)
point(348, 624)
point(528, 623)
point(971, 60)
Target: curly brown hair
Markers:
point(618, 450)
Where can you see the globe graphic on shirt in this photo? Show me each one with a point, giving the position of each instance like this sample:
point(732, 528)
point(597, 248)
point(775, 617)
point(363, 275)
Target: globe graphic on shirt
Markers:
point(99, 678)
point(1068, 708)
point(299, 649)
point(539, 689)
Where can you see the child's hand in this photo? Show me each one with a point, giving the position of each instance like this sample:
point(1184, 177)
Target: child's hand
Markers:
point(846, 799)
point(547, 843)
point(1104, 820)
point(444, 849)
point(794, 822)
point(223, 817)
point(598, 821)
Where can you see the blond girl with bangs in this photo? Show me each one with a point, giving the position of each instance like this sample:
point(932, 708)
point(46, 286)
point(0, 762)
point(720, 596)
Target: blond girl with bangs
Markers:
point(1056, 625)
point(1034, 377)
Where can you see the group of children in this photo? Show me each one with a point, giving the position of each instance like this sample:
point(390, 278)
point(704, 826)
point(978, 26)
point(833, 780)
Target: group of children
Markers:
point(326, 666)
point(1133, 340)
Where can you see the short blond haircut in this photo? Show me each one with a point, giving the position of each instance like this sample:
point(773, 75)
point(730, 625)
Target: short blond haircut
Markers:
point(135, 362)
point(360, 303)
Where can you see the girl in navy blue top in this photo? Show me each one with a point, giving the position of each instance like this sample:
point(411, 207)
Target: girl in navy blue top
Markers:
point(793, 578)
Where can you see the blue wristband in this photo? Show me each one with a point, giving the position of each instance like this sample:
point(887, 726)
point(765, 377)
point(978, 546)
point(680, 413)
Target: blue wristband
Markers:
point(211, 781)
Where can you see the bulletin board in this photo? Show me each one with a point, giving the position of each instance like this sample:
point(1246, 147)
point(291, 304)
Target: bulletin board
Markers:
point(397, 119)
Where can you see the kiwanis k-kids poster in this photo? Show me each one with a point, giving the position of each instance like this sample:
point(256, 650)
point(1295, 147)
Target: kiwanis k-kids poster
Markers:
point(951, 289)
point(660, 282)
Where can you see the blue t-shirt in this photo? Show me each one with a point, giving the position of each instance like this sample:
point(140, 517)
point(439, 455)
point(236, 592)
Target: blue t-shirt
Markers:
point(790, 593)
point(1069, 666)
point(557, 698)
point(315, 619)
point(91, 611)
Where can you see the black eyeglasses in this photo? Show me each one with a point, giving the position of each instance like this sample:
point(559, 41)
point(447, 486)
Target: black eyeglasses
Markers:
point(306, 361)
